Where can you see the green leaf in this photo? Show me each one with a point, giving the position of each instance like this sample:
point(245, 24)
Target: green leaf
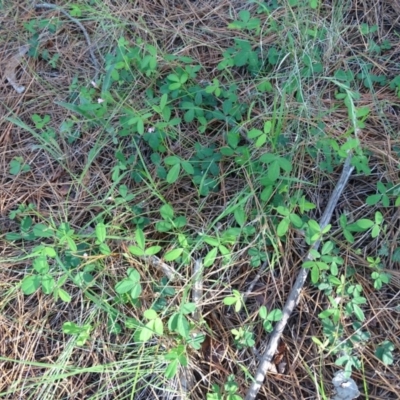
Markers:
point(228, 301)
point(283, 227)
point(358, 312)
point(180, 222)
point(48, 284)
point(188, 308)
point(145, 333)
point(82, 338)
point(268, 158)
point(212, 241)
point(296, 220)
point(375, 231)
point(184, 77)
point(327, 247)
point(314, 226)
point(364, 223)
point(163, 226)
point(41, 230)
point(172, 160)
point(104, 249)
point(151, 251)
point(173, 78)
point(315, 274)
point(173, 254)
point(15, 166)
point(378, 218)
point(267, 193)
point(183, 326)
point(150, 314)
point(41, 265)
point(240, 216)
point(273, 171)
point(140, 239)
point(101, 232)
point(349, 237)
point(263, 312)
point(285, 164)
point(275, 315)
point(314, 4)
point(188, 167)
point(136, 290)
point(30, 284)
point(244, 15)
point(71, 328)
point(163, 100)
point(261, 140)
point(174, 86)
point(64, 296)
point(326, 313)
point(384, 352)
point(158, 326)
point(173, 173)
point(167, 212)
point(136, 251)
point(254, 133)
point(124, 286)
point(171, 370)
point(71, 244)
point(210, 257)
point(17, 236)
point(83, 278)
point(49, 252)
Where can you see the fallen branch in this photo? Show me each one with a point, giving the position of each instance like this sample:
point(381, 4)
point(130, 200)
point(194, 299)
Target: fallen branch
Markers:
point(293, 299)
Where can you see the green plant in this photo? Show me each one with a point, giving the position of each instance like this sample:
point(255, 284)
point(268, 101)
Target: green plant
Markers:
point(229, 393)
point(219, 244)
point(378, 276)
point(361, 225)
point(243, 337)
point(236, 300)
point(269, 317)
point(178, 321)
point(385, 352)
point(17, 166)
point(176, 357)
point(140, 249)
point(130, 285)
point(81, 332)
point(41, 276)
point(153, 326)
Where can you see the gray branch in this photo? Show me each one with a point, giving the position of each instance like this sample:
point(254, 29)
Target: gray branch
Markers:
point(293, 299)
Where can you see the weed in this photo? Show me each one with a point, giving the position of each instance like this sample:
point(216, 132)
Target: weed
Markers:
point(174, 160)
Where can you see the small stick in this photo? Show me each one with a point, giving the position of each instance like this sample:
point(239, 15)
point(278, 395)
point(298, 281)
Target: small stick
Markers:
point(169, 272)
point(197, 292)
point(254, 281)
point(294, 295)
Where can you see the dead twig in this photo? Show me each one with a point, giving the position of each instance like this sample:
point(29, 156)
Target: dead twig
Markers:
point(293, 299)
point(168, 271)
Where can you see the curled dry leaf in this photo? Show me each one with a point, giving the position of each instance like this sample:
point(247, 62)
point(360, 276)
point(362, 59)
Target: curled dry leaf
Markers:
point(280, 359)
point(11, 67)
